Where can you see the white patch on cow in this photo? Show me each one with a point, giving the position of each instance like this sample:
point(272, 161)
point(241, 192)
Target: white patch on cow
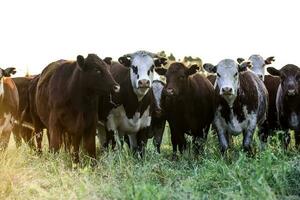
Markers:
point(144, 62)
point(258, 64)
point(235, 127)
point(1, 87)
point(7, 124)
point(117, 121)
point(294, 121)
point(157, 88)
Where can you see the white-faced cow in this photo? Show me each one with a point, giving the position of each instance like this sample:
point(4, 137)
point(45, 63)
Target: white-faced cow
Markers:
point(288, 100)
point(188, 102)
point(131, 110)
point(9, 104)
point(271, 82)
point(242, 102)
point(67, 100)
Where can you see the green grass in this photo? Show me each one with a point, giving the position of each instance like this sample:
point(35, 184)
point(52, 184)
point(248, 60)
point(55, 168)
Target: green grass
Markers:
point(272, 174)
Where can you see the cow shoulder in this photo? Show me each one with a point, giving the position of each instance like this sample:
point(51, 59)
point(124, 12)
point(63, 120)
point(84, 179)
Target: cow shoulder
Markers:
point(11, 96)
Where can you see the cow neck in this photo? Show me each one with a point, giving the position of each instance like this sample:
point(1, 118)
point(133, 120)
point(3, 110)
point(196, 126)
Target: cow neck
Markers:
point(291, 103)
point(130, 101)
point(82, 98)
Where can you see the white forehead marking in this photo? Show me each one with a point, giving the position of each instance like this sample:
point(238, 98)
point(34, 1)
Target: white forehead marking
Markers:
point(227, 66)
point(142, 61)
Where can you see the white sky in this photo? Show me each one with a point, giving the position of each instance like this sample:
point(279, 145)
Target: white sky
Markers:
point(36, 32)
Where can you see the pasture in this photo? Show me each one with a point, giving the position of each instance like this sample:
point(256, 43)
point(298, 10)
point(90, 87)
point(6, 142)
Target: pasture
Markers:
point(271, 174)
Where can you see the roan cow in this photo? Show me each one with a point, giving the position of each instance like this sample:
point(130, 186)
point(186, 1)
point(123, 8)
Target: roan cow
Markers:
point(241, 104)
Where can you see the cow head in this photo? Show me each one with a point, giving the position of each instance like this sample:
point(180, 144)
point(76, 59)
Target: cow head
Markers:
point(5, 73)
point(228, 72)
point(177, 77)
point(141, 64)
point(258, 64)
point(290, 78)
point(95, 74)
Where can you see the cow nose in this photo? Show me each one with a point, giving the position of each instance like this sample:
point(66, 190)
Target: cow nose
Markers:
point(291, 92)
point(116, 88)
point(260, 77)
point(144, 83)
point(170, 91)
point(227, 90)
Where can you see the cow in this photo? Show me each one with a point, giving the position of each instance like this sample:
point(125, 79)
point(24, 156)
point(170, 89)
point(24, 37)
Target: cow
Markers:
point(9, 105)
point(258, 64)
point(23, 128)
point(158, 121)
point(241, 102)
point(188, 101)
point(287, 101)
point(271, 82)
point(129, 112)
point(67, 100)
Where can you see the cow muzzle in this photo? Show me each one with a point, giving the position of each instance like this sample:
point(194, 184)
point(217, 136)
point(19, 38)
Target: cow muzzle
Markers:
point(291, 92)
point(170, 91)
point(227, 91)
point(144, 83)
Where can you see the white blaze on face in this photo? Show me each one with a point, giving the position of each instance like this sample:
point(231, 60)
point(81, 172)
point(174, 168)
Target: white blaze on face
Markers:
point(258, 66)
point(142, 67)
point(228, 78)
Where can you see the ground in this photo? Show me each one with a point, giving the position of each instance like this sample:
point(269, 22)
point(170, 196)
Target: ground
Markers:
point(271, 174)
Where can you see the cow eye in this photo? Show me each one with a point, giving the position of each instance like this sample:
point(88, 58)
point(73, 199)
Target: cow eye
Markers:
point(235, 74)
point(298, 77)
point(98, 71)
point(218, 75)
point(181, 77)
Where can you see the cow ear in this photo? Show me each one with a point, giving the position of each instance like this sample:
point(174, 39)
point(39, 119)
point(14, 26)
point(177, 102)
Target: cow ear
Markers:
point(269, 60)
point(273, 71)
point(210, 68)
point(244, 65)
point(160, 61)
point(240, 60)
point(80, 61)
point(107, 60)
point(192, 70)
point(125, 60)
point(161, 71)
point(9, 71)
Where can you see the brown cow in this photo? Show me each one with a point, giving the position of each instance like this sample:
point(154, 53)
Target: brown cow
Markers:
point(67, 100)
point(23, 126)
point(9, 104)
point(188, 102)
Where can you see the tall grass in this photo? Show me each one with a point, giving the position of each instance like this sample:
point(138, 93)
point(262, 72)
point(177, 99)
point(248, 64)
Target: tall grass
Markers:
point(271, 174)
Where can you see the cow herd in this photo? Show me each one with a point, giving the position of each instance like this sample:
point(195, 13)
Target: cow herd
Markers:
point(129, 101)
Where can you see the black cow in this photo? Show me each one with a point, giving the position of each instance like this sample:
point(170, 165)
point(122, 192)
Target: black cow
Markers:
point(189, 104)
point(288, 100)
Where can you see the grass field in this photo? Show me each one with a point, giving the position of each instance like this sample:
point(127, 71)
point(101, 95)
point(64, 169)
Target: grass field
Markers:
point(272, 174)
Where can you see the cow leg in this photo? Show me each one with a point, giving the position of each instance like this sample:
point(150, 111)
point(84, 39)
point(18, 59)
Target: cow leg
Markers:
point(133, 142)
point(4, 139)
point(247, 140)
point(263, 133)
point(158, 135)
point(17, 135)
point(76, 142)
point(229, 139)
point(89, 143)
point(142, 139)
point(297, 139)
point(39, 139)
point(223, 141)
point(174, 140)
point(181, 142)
point(286, 139)
point(28, 137)
point(55, 133)
point(198, 141)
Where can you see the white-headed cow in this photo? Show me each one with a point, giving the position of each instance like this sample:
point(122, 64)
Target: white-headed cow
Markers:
point(129, 112)
point(242, 101)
